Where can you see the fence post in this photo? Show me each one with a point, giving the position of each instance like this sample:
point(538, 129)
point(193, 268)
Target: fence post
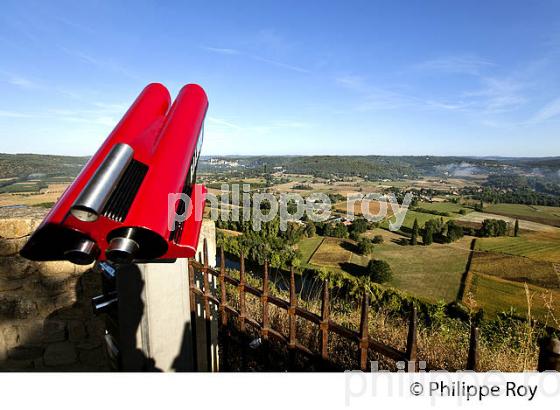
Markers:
point(223, 311)
point(549, 354)
point(472, 360)
point(223, 294)
point(265, 318)
point(364, 333)
point(292, 320)
point(242, 313)
point(241, 288)
point(324, 326)
point(412, 341)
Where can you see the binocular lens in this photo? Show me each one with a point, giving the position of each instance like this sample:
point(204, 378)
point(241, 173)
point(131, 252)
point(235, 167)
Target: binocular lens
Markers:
point(83, 253)
point(122, 250)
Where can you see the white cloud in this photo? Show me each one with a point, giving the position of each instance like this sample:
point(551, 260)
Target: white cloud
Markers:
point(497, 95)
point(103, 64)
point(235, 52)
point(550, 110)
point(354, 82)
point(280, 64)
point(22, 82)
point(225, 123)
point(225, 51)
point(466, 64)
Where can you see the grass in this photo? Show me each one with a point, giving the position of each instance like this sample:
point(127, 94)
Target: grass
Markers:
point(411, 216)
point(331, 253)
point(23, 187)
point(50, 194)
point(431, 272)
point(434, 272)
point(548, 215)
point(442, 347)
point(450, 207)
point(496, 295)
point(541, 246)
point(516, 269)
point(308, 246)
point(373, 207)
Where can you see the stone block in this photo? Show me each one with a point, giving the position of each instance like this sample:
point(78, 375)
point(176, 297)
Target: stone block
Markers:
point(56, 285)
point(90, 344)
point(16, 306)
point(94, 360)
point(24, 309)
point(76, 331)
point(17, 365)
point(15, 267)
point(16, 227)
point(11, 284)
point(95, 328)
point(60, 269)
point(54, 331)
point(31, 333)
point(10, 247)
point(60, 354)
point(10, 336)
point(3, 349)
point(25, 352)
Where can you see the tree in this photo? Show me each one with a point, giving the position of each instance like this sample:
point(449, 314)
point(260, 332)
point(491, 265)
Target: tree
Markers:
point(310, 229)
point(377, 239)
point(492, 228)
point(336, 230)
point(479, 207)
point(379, 271)
point(360, 225)
point(414, 235)
point(516, 228)
point(454, 232)
point(428, 234)
point(365, 246)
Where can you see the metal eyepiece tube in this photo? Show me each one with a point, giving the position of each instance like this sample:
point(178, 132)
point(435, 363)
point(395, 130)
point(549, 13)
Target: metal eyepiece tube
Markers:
point(89, 204)
point(123, 249)
point(83, 252)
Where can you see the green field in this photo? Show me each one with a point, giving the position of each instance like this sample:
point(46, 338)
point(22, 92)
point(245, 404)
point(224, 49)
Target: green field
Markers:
point(497, 295)
point(331, 253)
point(549, 215)
point(516, 268)
point(23, 187)
point(432, 272)
point(308, 246)
point(409, 219)
point(443, 207)
point(541, 246)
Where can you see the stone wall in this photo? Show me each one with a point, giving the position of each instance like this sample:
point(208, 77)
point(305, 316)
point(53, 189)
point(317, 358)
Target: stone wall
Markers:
point(46, 320)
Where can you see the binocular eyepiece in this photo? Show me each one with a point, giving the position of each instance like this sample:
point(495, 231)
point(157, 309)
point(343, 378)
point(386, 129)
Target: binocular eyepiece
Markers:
point(118, 206)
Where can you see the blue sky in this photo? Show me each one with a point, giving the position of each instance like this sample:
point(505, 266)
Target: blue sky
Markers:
point(289, 77)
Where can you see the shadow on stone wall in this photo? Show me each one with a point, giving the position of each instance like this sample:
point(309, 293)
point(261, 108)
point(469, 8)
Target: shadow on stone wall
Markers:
point(46, 320)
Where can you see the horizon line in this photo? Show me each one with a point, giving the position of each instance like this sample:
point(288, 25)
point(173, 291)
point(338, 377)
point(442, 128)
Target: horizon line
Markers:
point(490, 156)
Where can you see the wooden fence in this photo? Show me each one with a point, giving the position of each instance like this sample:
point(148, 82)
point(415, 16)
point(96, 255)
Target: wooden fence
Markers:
point(363, 340)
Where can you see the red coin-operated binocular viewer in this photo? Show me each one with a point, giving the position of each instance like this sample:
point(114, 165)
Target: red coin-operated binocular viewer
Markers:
point(119, 206)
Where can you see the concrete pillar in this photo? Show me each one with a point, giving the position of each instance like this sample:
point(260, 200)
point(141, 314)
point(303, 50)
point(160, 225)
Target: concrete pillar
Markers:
point(157, 330)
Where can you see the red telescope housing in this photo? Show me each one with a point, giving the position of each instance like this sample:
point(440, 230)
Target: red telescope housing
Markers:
point(122, 205)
